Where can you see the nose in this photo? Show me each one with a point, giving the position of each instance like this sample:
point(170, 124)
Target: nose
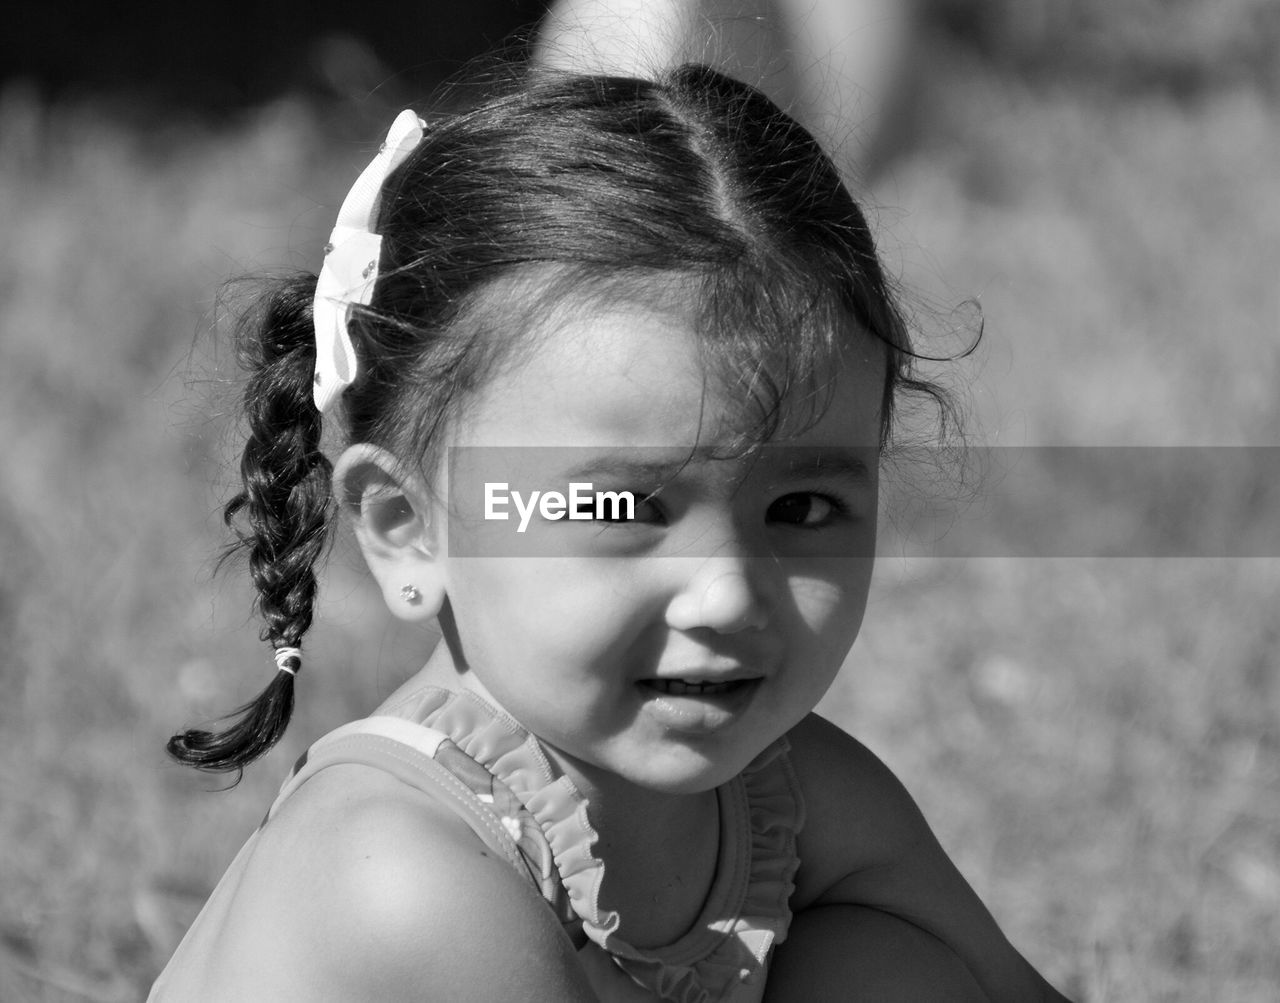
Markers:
point(724, 593)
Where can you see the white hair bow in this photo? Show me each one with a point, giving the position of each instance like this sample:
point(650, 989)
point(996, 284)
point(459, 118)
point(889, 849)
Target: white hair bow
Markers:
point(351, 263)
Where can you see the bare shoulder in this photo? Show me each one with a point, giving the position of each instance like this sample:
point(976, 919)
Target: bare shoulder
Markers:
point(363, 888)
point(859, 817)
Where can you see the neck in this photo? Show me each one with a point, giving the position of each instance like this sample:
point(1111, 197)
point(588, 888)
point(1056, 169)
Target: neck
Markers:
point(625, 813)
point(660, 851)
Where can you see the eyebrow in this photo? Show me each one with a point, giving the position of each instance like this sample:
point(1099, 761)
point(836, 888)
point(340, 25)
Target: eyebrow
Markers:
point(839, 463)
point(622, 468)
point(805, 462)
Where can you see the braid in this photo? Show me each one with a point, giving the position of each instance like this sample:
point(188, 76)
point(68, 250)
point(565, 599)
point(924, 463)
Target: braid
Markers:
point(285, 506)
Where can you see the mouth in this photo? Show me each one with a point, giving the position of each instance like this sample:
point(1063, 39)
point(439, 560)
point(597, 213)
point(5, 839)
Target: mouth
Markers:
point(698, 706)
point(695, 687)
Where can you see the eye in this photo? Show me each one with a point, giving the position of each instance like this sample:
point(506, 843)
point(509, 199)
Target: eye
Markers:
point(646, 510)
point(804, 509)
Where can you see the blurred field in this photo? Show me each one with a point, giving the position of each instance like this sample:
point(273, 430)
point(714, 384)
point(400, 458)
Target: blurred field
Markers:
point(1094, 740)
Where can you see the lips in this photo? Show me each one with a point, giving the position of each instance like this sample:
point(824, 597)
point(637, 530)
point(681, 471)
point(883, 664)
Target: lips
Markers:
point(697, 705)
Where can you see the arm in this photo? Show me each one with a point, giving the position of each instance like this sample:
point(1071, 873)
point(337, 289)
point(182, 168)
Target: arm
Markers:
point(389, 897)
point(852, 952)
point(877, 897)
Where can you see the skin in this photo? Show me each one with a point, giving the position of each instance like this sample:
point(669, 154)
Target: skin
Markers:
point(362, 888)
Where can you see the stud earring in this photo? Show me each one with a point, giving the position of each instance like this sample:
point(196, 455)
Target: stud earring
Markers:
point(410, 593)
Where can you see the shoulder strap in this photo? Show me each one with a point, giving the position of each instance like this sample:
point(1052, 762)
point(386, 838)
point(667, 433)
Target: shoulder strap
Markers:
point(406, 750)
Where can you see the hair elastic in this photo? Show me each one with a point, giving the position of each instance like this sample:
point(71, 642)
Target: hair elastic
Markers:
point(350, 266)
point(289, 660)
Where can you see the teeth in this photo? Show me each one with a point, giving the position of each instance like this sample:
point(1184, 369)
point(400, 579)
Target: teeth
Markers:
point(680, 688)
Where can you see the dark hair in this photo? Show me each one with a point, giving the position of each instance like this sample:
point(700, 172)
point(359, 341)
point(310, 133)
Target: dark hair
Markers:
point(565, 184)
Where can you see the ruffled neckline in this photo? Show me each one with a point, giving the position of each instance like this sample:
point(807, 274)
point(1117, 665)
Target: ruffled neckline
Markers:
point(747, 910)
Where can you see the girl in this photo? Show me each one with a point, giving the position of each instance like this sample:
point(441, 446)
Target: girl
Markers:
point(615, 360)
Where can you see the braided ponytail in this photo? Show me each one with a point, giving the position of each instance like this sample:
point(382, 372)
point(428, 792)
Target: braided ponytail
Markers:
point(285, 507)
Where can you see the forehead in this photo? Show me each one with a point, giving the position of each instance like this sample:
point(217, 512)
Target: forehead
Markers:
point(629, 373)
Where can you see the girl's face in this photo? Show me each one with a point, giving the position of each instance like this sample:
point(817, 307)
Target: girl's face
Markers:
point(670, 649)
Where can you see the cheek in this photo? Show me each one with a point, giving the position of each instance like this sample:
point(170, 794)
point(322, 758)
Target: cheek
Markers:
point(544, 609)
point(830, 600)
point(494, 601)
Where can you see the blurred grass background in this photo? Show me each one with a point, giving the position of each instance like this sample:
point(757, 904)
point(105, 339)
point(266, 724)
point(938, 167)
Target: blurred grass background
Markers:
point(1094, 740)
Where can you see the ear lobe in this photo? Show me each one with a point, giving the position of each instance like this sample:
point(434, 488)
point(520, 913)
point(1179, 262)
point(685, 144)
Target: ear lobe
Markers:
point(392, 513)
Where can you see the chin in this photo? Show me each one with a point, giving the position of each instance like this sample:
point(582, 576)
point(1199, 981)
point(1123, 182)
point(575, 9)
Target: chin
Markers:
point(690, 773)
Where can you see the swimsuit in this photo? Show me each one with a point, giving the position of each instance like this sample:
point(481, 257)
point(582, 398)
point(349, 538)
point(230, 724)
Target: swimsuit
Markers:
point(494, 775)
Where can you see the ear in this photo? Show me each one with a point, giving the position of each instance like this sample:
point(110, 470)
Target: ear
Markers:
point(392, 512)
